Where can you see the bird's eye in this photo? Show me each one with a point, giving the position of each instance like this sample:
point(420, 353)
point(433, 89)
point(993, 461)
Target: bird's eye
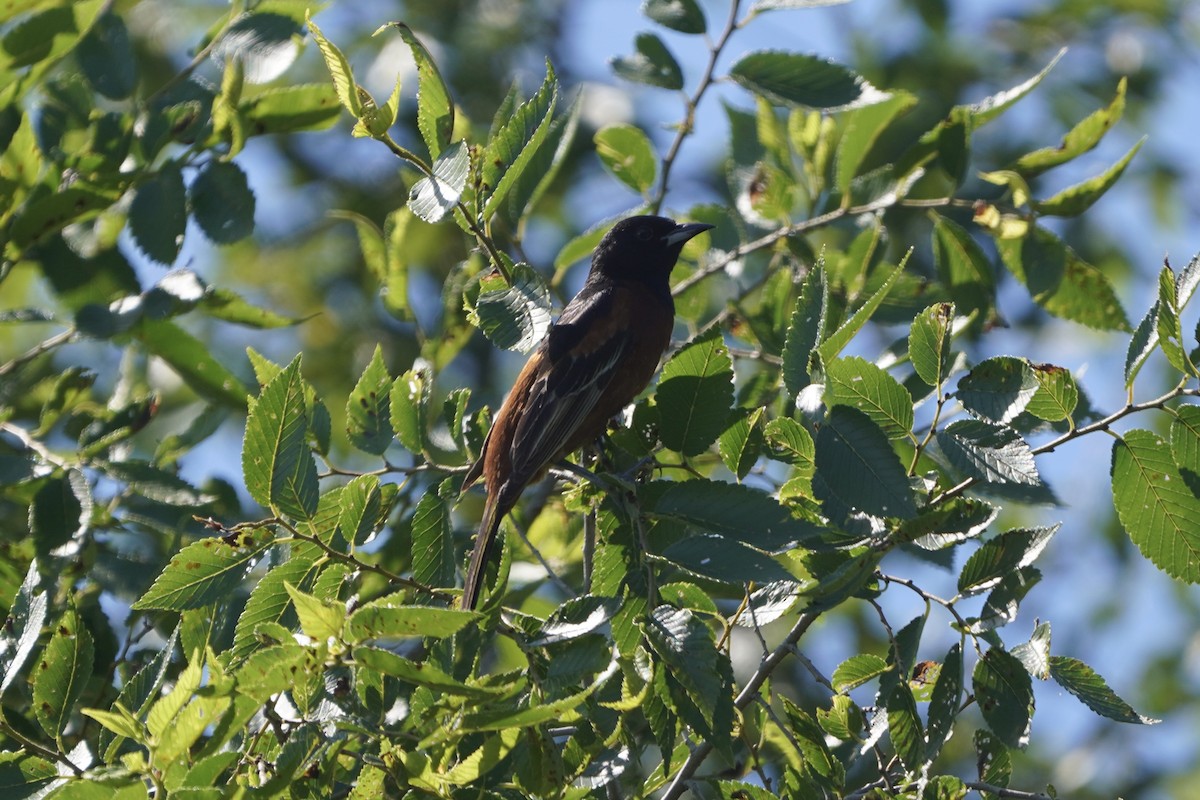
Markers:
point(644, 234)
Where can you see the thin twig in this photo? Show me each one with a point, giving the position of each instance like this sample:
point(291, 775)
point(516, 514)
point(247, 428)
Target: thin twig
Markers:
point(744, 698)
point(61, 338)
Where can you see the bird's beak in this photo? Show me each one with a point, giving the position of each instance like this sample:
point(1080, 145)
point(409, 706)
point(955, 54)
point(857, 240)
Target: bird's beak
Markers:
point(682, 233)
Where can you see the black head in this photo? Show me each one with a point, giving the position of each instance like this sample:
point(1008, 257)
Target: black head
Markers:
point(642, 248)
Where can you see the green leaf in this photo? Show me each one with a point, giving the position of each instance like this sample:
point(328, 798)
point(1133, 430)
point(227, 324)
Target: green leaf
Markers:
point(1074, 200)
point(1004, 693)
point(1170, 330)
point(741, 443)
point(49, 214)
point(57, 511)
point(1057, 394)
point(684, 16)
point(426, 674)
point(1077, 141)
point(725, 560)
point(738, 512)
point(106, 58)
point(61, 673)
point(193, 362)
point(695, 393)
point(1142, 344)
point(1155, 505)
point(1082, 681)
point(929, 341)
point(432, 197)
point(289, 109)
point(435, 109)
point(1010, 551)
point(652, 64)
point(517, 316)
point(1004, 600)
point(409, 401)
point(945, 702)
point(205, 572)
point(155, 483)
point(515, 145)
point(539, 174)
point(819, 761)
point(25, 776)
point(339, 69)
point(792, 444)
point(390, 617)
point(904, 726)
point(963, 267)
point(859, 467)
point(862, 129)
point(949, 523)
point(626, 152)
point(319, 619)
point(1185, 444)
point(838, 340)
point(277, 464)
point(361, 503)
point(991, 107)
point(804, 332)
point(581, 246)
point(1061, 282)
point(998, 388)
point(224, 304)
point(858, 670)
point(1035, 654)
point(796, 79)
point(857, 383)
point(368, 410)
point(222, 202)
point(432, 540)
point(27, 614)
point(686, 646)
point(991, 453)
point(269, 600)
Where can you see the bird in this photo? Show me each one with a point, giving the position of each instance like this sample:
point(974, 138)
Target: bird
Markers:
point(596, 358)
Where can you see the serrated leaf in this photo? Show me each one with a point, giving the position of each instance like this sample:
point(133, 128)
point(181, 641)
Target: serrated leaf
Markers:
point(319, 619)
point(1057, 394)
point(963, 267)
point(339, 69)
point(1185, 444)
point(191, 360)
point(61, 673)
point(904, 726)
point(989, 452)
point(684, 16)
point(56, 511)
point(652, 64)
point(1004, 600)
point(998, 388)
point(929, 341)
point(510, 152)
point(741, 443)
point(857, 670)
point(737, 512)
point(277, 464)
point(435, 110)
point(360, 505)
point(393, 617)
point(425, 674)
point(539, 174)
point(818, 759)
point(154, 483)
point(1080, 139)
point(686, 646)
point(1170, 330)
point(1004, 693)
point(857, 383)
point(368, 409)
point(269, 601)
point(859, 468)
point(796, 79)
point(694, 394)
point(106, 57)
point(1011, 550)
point(627, 153)
point(432, 541)
point(945, 702)
point(227, 305)
point(409, 401)
point(1155, 505)
point(862, 130)
point(516, 316)
point(1141, 344)
point(1074, 200)
point(1082, 681)
point(222, 203)
point(158, 215)
point(841, 337)
point(1061, 282)
point(266, 43)
point(289, 109)
point(804, 331)
point(27, 614)
point(205, 572)
point(433, 197)
point(791, 443)
point(949, 523)
point(725, 560)
point(1035, 654)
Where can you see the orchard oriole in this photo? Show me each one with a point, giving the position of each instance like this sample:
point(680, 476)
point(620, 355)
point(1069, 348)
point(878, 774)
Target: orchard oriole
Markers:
point(597, 357)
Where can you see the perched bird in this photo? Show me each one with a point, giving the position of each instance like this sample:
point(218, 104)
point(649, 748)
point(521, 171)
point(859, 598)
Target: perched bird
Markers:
point(597, 357)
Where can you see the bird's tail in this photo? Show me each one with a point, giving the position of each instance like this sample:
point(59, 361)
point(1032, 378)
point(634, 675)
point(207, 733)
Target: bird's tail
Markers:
point(485, 537)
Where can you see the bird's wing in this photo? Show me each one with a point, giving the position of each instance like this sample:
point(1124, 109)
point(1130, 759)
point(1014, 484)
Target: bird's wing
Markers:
point(584, 352)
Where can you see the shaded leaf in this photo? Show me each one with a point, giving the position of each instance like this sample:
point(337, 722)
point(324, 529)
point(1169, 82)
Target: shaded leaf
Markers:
point(857, 383)
point(963, 267)
point(797, 79)
point(684, 16)
point(1004, 693)
point(725, 560)
point(432, 541)
point(1082, 681)
point(368, 409)
point(859, 467)
point(222, 203)
point(1010, 551)
point(694, 394)
point(652, 64)
point(998, 388)
point(192, 361)
point(516, 316)
point(804, 331)
point(737, 512)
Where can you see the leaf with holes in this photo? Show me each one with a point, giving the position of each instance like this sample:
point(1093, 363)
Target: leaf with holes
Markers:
point(368, 410)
